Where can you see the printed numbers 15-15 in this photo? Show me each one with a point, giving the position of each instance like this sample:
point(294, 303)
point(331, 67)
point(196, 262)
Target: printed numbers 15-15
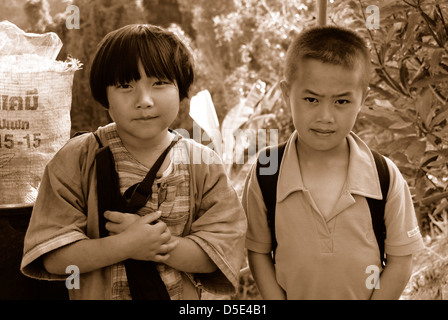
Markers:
point(30, 140)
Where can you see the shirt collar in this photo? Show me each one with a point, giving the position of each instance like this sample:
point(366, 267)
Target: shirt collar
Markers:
point(290, 176)
point(362, 176)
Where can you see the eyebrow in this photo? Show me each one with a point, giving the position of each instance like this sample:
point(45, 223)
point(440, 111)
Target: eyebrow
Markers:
point(344, 94)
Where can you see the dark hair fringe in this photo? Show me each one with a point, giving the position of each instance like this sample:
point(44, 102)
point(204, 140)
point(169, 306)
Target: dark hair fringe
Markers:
point(162, 53)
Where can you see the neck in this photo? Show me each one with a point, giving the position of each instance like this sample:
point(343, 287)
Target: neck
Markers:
point(154, 145)
point(317, 158)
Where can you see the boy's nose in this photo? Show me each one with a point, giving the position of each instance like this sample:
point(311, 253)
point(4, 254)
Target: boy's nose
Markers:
point(145, 99)
point(326, 113)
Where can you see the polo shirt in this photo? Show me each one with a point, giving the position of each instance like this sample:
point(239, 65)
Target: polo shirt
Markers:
point(330, 257)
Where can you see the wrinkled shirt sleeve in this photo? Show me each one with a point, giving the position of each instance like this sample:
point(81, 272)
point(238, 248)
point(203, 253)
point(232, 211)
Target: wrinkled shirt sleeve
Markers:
point(220, 225)
point(59, 214)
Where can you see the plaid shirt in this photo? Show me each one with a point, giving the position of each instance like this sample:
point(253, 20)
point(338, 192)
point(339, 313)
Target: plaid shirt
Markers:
point(66, 211)
point(170, 194)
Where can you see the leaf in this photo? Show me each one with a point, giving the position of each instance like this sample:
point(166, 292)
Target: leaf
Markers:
point(413, 20)
point(438, 119)
point(436, 58)
point(415, 150)
point(420, 189)
point(404, 75)
point(436, 164)
point(429, 157)
point(399, 157)
point(400, 144)
point(391, 35)
point(423, 103)
point(400, 125)
point(434, 140)
point(428, 19)
point(433, 80)
point(383, 93)
point(429, 117)
point(389, 8)
point(391, 82)
point(420, 75)
point(379, 121)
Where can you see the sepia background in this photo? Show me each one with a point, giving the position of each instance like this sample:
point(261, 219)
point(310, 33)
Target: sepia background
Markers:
point(239, 48)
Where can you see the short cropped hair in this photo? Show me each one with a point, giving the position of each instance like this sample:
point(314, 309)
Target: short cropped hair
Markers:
point(162, 53)
point(328, 44)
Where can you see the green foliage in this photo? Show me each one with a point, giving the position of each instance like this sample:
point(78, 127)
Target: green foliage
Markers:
point(406, 112)
point(257, 34)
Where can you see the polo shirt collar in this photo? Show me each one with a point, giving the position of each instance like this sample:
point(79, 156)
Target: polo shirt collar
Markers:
point(362, 176)
point(290, 176)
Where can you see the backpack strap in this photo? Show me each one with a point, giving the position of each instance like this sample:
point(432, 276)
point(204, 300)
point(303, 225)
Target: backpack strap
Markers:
point(78, 133)
point(377, 207)
point(268, 186)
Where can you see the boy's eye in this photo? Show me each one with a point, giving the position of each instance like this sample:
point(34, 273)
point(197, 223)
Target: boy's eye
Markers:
point(311, 100)
point(342, 101)
point(162, 82)
point(123, 86)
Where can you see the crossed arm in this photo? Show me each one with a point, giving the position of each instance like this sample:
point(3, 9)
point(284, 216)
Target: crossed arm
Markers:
point(132, 237)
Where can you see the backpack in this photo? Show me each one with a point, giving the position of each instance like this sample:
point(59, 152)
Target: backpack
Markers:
point(268, 186)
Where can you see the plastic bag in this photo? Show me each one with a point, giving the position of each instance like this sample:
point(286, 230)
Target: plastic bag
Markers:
point(14, 41)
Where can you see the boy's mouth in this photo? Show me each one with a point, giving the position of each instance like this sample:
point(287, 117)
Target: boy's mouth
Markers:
point(322, 131)
point(145, 118)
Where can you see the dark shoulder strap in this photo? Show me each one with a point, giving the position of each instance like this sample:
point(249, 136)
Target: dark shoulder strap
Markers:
point(143, 277)
point(377, 207)
point(98, 139)
point(268, 184)
point(137, 195)
point(78, 133)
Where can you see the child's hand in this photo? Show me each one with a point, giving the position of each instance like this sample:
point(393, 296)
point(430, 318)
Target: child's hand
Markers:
point(119, 221)
point(145, 238)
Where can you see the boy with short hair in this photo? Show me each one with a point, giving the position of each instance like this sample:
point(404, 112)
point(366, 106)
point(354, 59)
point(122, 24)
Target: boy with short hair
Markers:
point(325, 241)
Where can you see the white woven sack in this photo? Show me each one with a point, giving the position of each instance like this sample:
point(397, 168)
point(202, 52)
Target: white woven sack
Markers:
point(34, 122)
